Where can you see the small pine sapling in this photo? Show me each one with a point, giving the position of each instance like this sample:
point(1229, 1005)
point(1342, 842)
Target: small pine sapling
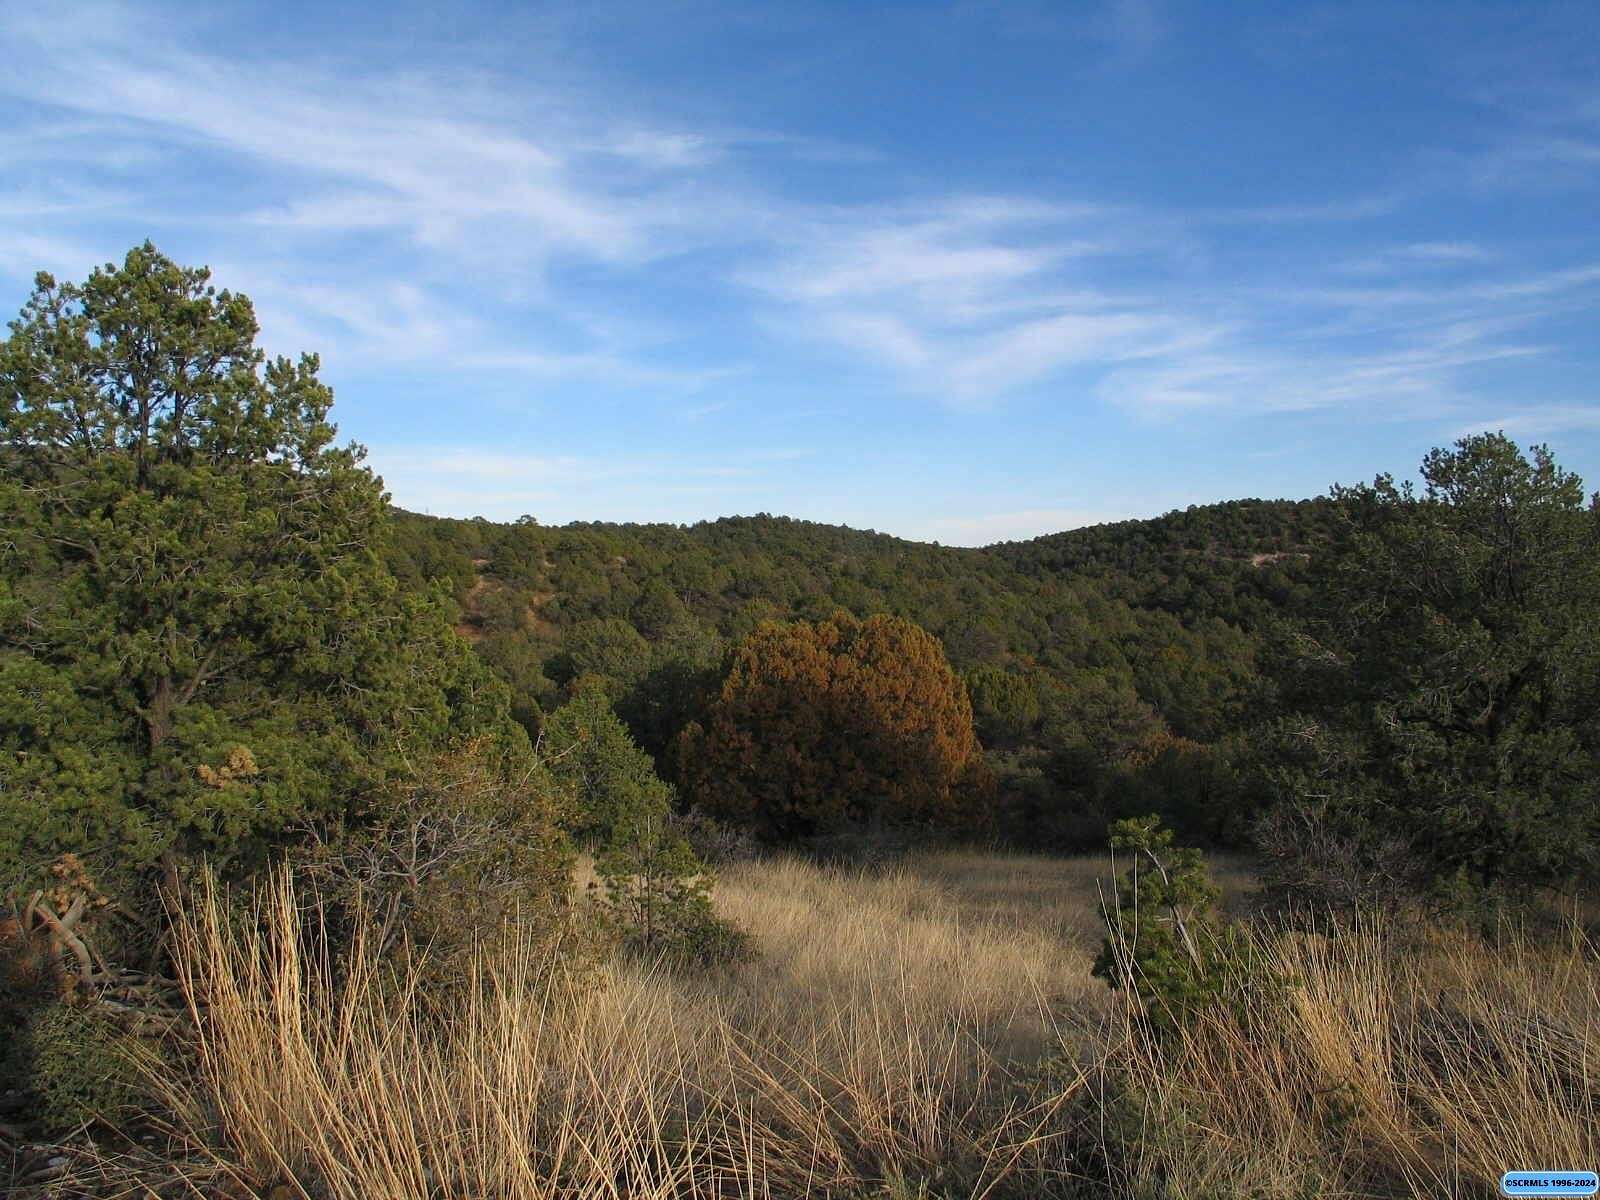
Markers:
point(658, 897)
point(1164, 938)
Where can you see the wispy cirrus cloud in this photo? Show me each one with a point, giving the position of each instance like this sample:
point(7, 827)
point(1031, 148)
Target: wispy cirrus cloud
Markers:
point(22, 254)
point(970, 300)
point(1412, 382)
point(1409, 348)
point(1538, 420)
point(965, 297)
point(376, 193)
point(1408, 259)
point(432, 156)
point(1545, 138)
point(968, 297)
point(1321, 212)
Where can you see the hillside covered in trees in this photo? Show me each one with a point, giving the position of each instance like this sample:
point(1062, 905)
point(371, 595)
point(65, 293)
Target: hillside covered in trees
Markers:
point(218, 639)
point(1123, 655)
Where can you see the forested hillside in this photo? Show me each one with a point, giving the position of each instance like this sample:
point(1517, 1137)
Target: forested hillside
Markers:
point(1240, 559)
point(1124, 653)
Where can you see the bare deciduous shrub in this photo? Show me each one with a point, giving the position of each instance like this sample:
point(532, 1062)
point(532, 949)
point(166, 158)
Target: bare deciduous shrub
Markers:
point(451, 857)
point(1311, 868)
point(713, 842)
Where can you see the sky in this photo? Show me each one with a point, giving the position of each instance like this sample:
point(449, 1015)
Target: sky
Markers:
point(961, 272)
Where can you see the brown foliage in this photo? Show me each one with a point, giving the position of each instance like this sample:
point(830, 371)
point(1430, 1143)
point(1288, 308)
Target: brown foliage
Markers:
point(842, 722)
point(46, 947)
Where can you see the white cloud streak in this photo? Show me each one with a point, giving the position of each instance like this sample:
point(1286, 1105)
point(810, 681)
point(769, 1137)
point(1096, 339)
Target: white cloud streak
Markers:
point(969, 297)
point(461, 179)
point(1539, 420)
point(382, 204)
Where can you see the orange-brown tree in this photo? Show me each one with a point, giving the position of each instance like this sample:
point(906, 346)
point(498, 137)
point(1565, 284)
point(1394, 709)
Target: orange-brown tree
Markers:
point(825, 725)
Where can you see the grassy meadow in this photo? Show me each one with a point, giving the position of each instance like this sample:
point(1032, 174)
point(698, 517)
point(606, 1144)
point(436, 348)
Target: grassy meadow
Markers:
point(929, 1029)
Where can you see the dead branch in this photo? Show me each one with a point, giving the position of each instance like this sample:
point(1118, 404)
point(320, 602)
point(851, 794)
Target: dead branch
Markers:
point(67, 937)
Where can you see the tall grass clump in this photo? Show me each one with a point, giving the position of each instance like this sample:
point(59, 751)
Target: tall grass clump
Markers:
point(1370, 1062)
point(545, 1077)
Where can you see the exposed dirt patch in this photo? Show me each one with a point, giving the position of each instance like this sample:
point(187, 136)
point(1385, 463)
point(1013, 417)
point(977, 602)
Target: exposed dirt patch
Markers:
point(1257, 560)
point(538, 625)
point(470, 625)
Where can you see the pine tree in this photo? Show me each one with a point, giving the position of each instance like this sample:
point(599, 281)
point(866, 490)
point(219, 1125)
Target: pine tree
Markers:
point(1448, 690)
point(610, 784)
point(200, 644)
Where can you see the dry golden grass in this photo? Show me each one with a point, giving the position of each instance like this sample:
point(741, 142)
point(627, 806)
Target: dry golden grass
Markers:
point(877, 1036)
point(885, 1041)
point(1039, 893)
point(831, 939)
point(1376, 1065)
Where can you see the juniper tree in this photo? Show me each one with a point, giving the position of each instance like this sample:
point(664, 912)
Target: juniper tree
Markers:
point(610, 786)
point(833, 723)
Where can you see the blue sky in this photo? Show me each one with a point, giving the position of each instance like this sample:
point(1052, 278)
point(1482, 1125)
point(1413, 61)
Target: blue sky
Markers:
point(959, 272)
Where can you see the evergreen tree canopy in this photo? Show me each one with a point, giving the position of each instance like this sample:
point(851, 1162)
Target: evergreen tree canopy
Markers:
point(610, 784)
point(200, 642)
point(820, 725)
point(1449, 680)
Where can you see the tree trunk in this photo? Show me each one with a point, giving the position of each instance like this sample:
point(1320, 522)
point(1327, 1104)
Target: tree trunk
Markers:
point(158, 713)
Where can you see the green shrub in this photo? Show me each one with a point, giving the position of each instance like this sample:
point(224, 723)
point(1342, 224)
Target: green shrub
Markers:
point(79, 1066)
